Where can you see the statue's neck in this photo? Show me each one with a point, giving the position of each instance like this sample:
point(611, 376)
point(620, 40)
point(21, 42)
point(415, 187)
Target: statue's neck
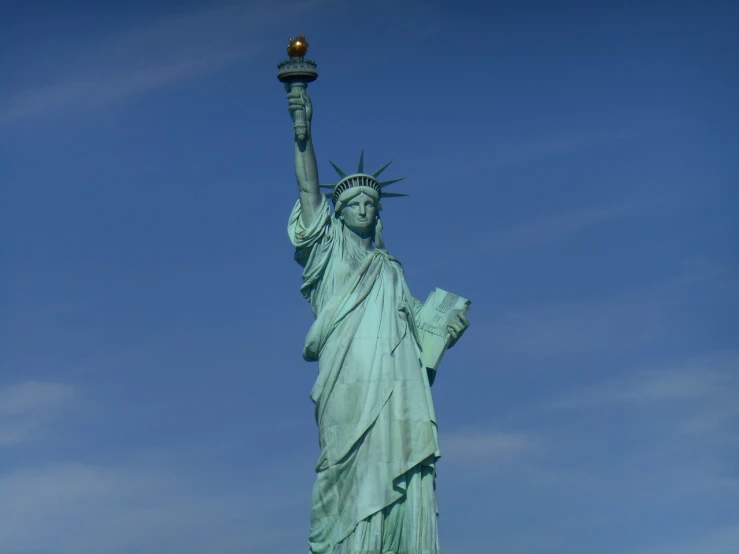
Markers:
point(362, 241)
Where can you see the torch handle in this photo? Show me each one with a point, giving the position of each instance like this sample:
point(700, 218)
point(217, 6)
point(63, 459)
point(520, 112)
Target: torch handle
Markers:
point(299, 123)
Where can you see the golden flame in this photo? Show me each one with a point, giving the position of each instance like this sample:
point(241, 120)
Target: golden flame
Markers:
point(298, 47)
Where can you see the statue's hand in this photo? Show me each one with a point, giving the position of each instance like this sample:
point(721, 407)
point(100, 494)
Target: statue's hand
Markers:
point(298, 101)
point(457, 328)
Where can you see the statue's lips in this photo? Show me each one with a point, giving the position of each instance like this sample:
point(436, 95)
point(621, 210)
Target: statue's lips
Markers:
point(359, 222)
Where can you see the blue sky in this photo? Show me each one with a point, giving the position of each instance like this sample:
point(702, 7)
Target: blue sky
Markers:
point(572, 170)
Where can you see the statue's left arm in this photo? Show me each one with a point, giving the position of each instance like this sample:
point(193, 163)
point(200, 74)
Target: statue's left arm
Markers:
point(457, 328)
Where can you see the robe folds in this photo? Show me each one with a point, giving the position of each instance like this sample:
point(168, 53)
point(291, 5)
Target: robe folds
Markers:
point(373, 405)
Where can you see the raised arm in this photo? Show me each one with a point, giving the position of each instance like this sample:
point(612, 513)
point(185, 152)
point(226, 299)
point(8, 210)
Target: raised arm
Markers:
point(306, 168)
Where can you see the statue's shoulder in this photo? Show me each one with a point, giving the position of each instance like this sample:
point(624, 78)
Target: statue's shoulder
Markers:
point(389, 257)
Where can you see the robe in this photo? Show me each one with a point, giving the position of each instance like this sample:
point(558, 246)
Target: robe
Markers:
point(373, 407)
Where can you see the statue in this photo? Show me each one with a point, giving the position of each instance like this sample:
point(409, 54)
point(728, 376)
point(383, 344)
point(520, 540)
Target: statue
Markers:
point(375, 484)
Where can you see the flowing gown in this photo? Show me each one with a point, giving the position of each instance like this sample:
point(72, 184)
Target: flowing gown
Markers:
point(374, 490)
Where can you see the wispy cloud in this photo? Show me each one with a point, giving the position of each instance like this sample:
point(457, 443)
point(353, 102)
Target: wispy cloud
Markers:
point(151, 56)
point(622, 323)
point(575, 327)
point(91, 509)
point(26, 407)
point(476, 155)
point(33, 396)
point(607, 449)
point(550, 229)
point(522, 456)
point(477, 444)
point(683, 415)
point(703, 379)
point(692, 414)
point(722, 540)
point(537, 147)
point(88, 91)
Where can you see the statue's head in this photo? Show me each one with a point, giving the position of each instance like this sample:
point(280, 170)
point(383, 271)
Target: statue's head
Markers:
point(359, 210)
point(363, 191)
point(367, 183)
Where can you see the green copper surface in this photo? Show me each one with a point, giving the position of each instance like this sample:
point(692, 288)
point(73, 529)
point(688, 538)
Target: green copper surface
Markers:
point(375, 476)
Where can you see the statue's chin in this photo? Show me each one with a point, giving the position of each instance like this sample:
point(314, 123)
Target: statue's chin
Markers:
point(364, 231)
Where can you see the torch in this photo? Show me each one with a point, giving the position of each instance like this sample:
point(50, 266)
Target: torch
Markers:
point(296, 72)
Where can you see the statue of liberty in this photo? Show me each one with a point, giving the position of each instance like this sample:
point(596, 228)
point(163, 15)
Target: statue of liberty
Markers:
point(375, 485)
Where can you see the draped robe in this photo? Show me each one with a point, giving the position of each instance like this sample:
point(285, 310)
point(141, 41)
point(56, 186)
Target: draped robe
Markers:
point(372, 397)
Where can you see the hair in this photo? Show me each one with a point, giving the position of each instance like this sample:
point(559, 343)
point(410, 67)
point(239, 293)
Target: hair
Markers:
point(353, 192)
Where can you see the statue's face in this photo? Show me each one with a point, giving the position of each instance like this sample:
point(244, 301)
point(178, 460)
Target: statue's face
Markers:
point(359, 214)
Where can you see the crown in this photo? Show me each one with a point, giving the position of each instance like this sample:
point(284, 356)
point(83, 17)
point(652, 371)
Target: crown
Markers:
point(360, 179)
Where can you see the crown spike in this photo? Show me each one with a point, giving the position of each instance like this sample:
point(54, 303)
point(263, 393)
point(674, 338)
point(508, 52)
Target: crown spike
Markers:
point(390, 182)
point(392, 195)
point(327, 186)
point(383, 168)
point(338, 169)
point(360, 167)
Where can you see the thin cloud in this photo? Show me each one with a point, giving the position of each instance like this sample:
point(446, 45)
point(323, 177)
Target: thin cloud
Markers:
point(623, 323)
point(689, 406)
point(562, 226)
point(575, 327)
point(706, 379)
point(480, 159)
point(93, 509)
point(721, 540)
point(674, 385)
point(33, 397)
point(26, 407)
point(555, 145)
point(94, 92)
point(485, 445)
point(716, 419)
point(151, 56)
point(646, 388)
